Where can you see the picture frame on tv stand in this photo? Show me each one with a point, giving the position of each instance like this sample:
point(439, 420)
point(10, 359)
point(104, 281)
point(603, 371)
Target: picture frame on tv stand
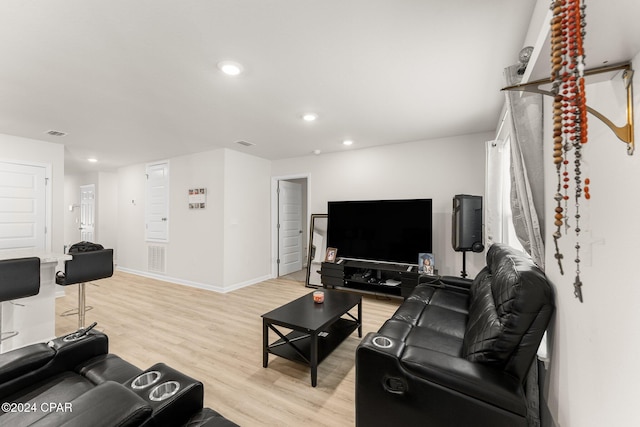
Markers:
point(426, 264)
point(331, 255)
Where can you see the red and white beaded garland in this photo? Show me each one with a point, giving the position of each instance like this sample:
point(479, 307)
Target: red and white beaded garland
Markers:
point(569, 117)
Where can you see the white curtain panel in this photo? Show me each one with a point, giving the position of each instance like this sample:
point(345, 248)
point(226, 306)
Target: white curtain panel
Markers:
point(527, 174)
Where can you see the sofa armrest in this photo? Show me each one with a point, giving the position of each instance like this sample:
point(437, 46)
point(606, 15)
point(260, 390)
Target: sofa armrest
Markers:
point(108, 404)
point(66, 356)
point(406, 385)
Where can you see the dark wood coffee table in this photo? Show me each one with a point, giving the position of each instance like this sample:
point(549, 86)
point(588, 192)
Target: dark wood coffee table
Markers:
point(316, 329)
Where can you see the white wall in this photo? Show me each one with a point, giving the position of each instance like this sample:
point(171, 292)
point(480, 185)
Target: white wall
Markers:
point(221, 247)
point(196, 238)
point(247, 219)
point(436, 169)
point(594, 370)
point(132, 252)
point(107, 221)
point(72, 185)
point(14, 148)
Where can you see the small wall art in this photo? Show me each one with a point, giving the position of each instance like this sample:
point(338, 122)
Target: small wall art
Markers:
point(197, 198)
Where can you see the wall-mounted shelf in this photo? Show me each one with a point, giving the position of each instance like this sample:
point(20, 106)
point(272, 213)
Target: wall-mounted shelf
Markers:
point(624, 133)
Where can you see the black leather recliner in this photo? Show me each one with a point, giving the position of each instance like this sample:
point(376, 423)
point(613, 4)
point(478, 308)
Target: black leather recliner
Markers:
point(457, 352)
point(73, 381)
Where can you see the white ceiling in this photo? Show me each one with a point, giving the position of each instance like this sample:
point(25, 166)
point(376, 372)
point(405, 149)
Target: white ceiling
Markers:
point(134, 81)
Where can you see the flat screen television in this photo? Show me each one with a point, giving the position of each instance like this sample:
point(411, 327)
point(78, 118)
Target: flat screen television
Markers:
point(380, 230)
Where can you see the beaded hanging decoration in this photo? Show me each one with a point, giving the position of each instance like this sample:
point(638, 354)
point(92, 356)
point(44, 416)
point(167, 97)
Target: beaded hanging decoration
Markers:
point(569, 118)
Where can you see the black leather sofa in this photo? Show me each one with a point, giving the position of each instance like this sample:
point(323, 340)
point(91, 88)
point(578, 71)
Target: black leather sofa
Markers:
point(457, 352)
point(73, 381)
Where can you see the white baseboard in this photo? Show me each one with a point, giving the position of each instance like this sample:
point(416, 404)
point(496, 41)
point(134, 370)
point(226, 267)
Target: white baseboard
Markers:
point(209, 287)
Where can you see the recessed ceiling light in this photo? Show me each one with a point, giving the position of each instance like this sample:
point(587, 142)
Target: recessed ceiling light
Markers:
point(309, 117)
point(92, 160)
point(316, 152)
point(230, 68)
point(347, 142)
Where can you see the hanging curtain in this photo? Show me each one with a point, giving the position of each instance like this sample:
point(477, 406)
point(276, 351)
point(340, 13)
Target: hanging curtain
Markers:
point(527, 172)
point(527, 195)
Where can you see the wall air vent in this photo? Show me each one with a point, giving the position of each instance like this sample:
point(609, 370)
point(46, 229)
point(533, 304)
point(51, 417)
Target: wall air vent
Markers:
point(245, 143)
point(156, 259)
point(56, 133)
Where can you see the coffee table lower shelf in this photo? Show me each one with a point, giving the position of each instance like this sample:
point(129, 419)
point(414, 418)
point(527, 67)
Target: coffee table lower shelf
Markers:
point(336, 333)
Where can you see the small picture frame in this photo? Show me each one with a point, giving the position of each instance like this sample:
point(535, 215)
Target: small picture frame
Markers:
point(331, 255)
point(197, 198)
point(426, 263)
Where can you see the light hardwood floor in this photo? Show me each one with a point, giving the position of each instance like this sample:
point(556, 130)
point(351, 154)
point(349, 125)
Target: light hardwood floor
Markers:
point(217, 339)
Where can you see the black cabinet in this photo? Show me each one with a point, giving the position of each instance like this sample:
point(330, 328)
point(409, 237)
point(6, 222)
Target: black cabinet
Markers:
point(366, 277)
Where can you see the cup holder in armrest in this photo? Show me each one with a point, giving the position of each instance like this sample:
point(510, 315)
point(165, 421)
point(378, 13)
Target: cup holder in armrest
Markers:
point(164, 391)
point(145, 380)
point(173, 396)
point(382, 342)
point(73, 337)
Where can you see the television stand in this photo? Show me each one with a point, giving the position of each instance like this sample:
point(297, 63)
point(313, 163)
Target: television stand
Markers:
point(370, 277)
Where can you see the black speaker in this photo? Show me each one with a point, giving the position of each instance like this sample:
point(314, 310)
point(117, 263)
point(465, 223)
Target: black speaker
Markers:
point(466, 228)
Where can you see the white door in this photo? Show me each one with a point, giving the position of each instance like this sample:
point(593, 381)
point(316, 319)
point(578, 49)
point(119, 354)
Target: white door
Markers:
point(289, 227)
point(157, 202)
point(22, 206)
point(87, 212)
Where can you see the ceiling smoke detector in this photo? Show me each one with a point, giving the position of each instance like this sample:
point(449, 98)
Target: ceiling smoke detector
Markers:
point(55, 133)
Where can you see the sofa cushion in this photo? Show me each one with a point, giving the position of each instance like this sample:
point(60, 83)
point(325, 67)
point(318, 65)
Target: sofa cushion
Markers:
point(444, 321)
point(410, 311)
point(471, 380)
point(431, 339)
point(452, 300)
point(508, 297)
point(23, 360)
point(422, 293)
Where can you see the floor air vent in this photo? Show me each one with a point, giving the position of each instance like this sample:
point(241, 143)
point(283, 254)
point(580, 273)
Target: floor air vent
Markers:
point(156, 259)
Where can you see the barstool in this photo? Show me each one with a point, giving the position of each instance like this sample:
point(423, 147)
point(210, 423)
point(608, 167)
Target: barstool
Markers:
point(19, 278)
point(85, 267)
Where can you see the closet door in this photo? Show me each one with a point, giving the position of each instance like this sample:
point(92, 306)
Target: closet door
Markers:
point(157, 202)
point(22, 206)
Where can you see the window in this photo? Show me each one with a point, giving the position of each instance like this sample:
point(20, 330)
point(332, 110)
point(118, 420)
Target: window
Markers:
point(499, 218)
